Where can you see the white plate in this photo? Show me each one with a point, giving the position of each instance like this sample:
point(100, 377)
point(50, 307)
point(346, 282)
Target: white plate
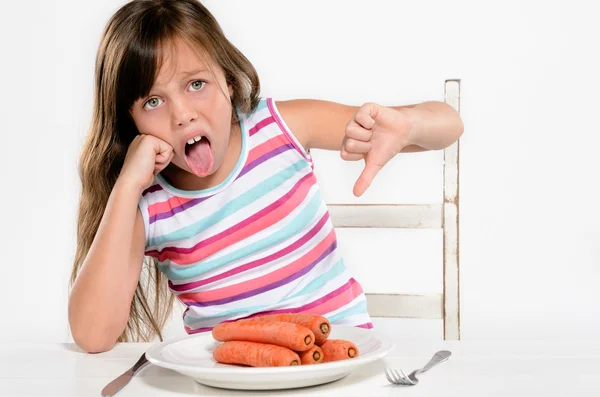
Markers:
point(192, 356)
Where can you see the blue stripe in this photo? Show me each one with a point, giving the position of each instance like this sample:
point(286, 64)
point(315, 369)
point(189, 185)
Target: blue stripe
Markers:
point(320, 281)
point(231, 207)
point(226, 315)
point(335, 270)
point(298, 223)
point(359, 308)
point(261, 105)
point(271, 286)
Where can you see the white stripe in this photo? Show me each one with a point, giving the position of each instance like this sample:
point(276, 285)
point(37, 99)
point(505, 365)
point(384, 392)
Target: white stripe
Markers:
point(320, 269)
point(264, 253)
point(266, 268)
point(157, 197)
point(348, 305)
point(357, 319)
point(254, 237)
point(192, 216)
point(275, 295)
point(267, 132)
point(274, 228)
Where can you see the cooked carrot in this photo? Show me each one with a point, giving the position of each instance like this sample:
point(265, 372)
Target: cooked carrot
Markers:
point(314, 355)
point(255, 354)
point(290, 335)
point(338, 349)
point(319, 325)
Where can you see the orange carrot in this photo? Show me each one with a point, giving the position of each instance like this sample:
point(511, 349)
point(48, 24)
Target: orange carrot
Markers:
point(338, 349)
point(255, 354)
point(314, 355)
point(292, 336)
point(319, 325)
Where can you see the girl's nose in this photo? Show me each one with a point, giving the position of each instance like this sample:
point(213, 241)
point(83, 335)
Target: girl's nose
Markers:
point(184, 114)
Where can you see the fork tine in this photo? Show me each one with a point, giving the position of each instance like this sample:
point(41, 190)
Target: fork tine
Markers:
point(389, 378)
point(408, 379)
point(390, 373)
point(399, 379)
point(405, 376)
point(405, 379)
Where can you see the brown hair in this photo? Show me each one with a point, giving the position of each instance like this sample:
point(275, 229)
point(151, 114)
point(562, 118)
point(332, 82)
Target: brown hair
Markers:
point(127, 63)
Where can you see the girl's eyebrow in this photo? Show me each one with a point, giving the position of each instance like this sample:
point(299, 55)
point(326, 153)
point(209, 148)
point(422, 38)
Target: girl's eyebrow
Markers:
point(184, 75)
point(192, 72)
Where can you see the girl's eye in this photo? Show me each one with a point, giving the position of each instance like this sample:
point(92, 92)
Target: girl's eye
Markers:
point(152, 103)
point(197, 85)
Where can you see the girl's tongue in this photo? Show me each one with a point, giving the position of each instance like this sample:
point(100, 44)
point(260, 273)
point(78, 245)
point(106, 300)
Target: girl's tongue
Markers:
point(199, 157)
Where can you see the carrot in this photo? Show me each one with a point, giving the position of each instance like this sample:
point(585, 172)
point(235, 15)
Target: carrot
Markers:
point(292, 336)
point(314, 355)
point(255, 354)
point(338, 349)
point(319, 325)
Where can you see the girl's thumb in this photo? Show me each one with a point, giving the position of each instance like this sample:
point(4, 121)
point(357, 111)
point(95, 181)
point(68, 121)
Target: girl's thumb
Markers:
point(366, 177)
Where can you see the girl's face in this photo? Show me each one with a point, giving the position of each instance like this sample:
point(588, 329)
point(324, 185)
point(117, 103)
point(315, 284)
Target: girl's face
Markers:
point(188, 107)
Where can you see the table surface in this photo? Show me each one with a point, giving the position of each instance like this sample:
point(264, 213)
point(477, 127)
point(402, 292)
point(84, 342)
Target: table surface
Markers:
point(477, 368)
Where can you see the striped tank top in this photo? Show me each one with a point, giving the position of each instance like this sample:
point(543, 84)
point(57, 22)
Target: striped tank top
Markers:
point(261, 242)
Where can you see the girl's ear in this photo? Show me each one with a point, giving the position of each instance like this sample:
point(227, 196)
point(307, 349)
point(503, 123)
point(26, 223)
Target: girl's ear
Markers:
point(230, 88)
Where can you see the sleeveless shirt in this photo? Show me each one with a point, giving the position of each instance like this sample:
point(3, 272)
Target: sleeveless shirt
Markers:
point(261, 242)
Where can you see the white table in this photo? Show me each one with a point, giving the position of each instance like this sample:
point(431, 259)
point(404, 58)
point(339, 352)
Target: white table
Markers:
point(476, 368)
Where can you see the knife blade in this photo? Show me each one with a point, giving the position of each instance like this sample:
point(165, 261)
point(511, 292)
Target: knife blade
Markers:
point(114, 386)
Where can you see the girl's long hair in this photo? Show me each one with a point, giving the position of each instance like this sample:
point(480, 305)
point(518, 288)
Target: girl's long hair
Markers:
point(129, 56)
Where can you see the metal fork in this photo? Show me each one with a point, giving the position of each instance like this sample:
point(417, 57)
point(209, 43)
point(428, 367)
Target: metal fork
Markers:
point(409, 380)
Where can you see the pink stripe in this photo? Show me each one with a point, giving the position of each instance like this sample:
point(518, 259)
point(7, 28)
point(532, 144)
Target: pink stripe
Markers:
point(308, 308)
point(207, 329)
point(283, 129)
point(270, 278)
point(167, 206)
point(152, 189)
point(256, 263)
point(339, 301)
point(260, 125)
point(275, 212)
point(266, 147)
point(198, 330)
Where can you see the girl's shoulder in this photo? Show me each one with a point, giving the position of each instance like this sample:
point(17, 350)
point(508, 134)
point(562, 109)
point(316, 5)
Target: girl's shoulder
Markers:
point(268, 121)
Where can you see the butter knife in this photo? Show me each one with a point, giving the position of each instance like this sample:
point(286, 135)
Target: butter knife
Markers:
point(113, 387)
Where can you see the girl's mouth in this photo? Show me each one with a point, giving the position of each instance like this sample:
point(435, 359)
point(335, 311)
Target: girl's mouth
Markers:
point(199, 156)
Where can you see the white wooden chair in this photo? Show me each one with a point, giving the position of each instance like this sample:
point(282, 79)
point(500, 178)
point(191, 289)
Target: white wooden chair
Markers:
point(445, 305)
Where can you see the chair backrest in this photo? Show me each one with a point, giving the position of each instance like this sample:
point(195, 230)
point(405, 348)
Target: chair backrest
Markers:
point(443, 215)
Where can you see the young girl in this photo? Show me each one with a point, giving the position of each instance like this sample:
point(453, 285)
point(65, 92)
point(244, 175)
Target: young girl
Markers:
point(187, 167)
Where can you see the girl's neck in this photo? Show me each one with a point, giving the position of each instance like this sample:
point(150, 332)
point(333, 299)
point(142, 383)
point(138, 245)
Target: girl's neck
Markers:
point(184, 180)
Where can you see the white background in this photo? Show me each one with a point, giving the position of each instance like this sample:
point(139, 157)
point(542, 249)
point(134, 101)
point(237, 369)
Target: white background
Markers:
point(530, 100)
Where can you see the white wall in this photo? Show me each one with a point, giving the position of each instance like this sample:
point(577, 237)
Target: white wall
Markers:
point(530, 257)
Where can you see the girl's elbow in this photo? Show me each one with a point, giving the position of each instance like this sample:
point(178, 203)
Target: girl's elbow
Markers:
point(89, 336)
point(92, 342)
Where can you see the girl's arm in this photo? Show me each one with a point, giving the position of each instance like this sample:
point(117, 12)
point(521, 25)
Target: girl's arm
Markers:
point(371, 132)
point(101, 297)
point(322, 124)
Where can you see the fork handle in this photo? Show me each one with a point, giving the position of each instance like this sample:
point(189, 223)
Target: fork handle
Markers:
point(438, 358)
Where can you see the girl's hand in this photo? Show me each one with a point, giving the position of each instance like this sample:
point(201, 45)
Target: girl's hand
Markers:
point(376, 134)
point(146, 157)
